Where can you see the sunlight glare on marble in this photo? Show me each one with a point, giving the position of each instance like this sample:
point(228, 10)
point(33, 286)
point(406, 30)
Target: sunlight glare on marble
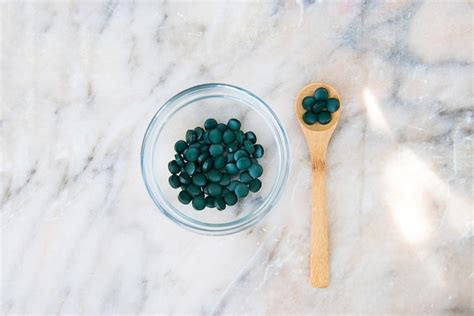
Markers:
point(408, 181)
point(375, 116)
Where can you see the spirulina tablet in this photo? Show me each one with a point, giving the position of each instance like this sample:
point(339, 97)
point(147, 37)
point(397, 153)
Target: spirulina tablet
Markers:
point(258, 151)
point(233, 184)
point(215, 136)
point(234, 124)
point(332, 105)
point(255, 185)
point(180, 146)
point(220, 162)
point(243, 163)
point(228, 137)
point(202, 157)
point(255, 170)
point(239, 154)
point(179, 160)
point(321, 94)
point(193, 189)
point(184, 178)
point(199, 179)
point(190, 168)
point(241, 190)
point(251, 136)
point(308, 103)
point(232, 148)
point(318, 106)
point(191, 154)
point(324, 117)
point(199, 203)
point(245, 177)
point(214, 189)
point(199, 133)
point(173, 167)
point(174, 181)
point(191, 136)
point(220, 204)
point(239, 137)
point(210, 202)
point(216, 149)
point(310, 118)
point(230, 198)
point(214, 175)
point(231, 169)
point(184, 197)
point(210, 124)
point(249, 146)
point(207, 165)
point(225, 181)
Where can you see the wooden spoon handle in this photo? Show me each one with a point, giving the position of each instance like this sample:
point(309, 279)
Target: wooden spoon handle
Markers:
point(319, 262)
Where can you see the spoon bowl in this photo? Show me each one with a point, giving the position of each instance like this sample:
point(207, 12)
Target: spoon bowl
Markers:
point(318, 137)
point(308, 91)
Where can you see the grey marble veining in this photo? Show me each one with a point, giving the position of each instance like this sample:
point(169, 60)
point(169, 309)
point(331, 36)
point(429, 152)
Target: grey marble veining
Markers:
point(81, 80)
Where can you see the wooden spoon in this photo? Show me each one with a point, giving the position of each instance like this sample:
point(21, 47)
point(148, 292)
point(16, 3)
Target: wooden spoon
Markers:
point(318, 137)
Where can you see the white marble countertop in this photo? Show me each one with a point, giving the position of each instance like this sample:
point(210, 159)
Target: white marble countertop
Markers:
point(80, 82)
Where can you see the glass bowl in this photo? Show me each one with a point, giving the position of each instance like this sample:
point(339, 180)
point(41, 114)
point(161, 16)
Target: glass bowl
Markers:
point(190, 108)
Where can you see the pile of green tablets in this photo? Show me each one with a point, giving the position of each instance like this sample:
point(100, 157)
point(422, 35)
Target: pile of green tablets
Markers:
point(216, 165)
point(319, 107)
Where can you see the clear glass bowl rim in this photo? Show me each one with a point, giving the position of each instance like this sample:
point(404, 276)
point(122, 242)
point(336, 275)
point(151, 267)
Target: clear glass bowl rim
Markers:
point(254, 216)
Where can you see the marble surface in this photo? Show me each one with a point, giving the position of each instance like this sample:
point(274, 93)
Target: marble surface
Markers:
point(81, 80)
